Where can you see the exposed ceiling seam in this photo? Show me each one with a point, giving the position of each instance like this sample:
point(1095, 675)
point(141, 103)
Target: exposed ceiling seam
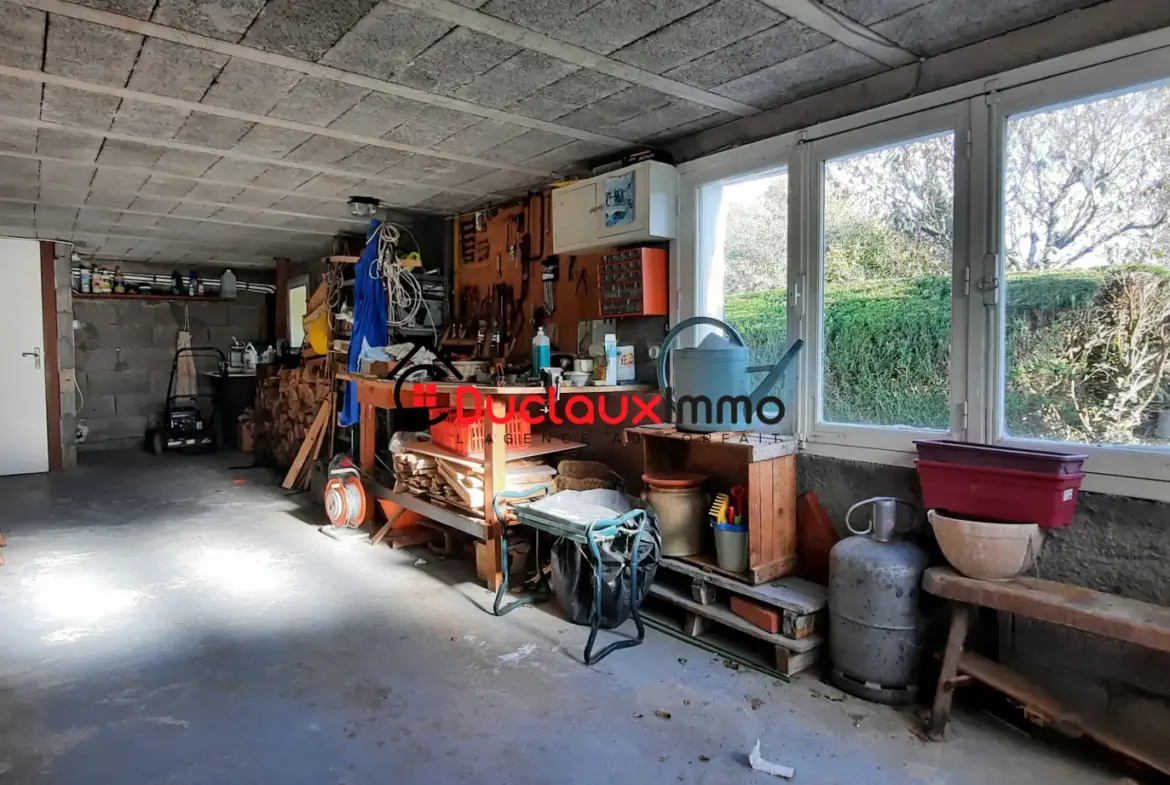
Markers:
point(571, 53)
point(235, 114)
point(163, 240)
point(208, 180)
point(128, 211)
point(234, 155)
point(841, 28)
point(129, 24)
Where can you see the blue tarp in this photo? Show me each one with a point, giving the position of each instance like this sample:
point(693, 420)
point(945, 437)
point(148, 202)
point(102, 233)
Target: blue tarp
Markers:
point(369, 319)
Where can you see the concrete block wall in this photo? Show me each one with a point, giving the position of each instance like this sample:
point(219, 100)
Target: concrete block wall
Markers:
point(1115, 544)
point(124, 352)
point(66, 362)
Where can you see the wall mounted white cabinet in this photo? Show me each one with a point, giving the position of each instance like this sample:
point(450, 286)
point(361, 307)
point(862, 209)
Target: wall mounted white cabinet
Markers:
point(634, 204)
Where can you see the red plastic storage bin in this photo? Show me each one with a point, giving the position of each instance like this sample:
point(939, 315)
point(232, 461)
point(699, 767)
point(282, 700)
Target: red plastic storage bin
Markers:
point(1042, 461)
point(1007, 495)
point(467, 437)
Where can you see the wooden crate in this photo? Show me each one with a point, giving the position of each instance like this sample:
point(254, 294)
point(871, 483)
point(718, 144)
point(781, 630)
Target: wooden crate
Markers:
point(764, 463)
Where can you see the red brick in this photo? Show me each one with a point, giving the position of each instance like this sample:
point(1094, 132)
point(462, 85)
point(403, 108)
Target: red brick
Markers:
point(760, 615)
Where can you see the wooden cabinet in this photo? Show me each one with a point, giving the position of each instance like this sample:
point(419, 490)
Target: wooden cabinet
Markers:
point(634, 204)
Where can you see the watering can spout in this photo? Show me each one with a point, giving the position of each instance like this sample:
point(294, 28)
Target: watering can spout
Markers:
point(775, 372)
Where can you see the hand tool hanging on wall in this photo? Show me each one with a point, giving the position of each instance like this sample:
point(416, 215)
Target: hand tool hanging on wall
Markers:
point(550, 273)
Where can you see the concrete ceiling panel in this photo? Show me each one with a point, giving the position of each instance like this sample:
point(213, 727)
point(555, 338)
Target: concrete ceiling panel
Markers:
point(756, 52)
point(223, 19)
point(870, 12)
point(942, 25)
point(117, 181)
point(175, 70)
point(208, 130)
point(305, 29)
point(323, 150)
point(282, 178)
point(27, 170)
point(318, 101)
point(693, 127)
point(463, 173)
point(22, 36)
point(328, 185)
point(150, 120)
point(90, 52)
point(19, 97)
point(372, 160)
point(26, 191)
point(385, 40)
point(235, 171)
point(270, 141)
point(251, 197)
point(579, 89)
point(148, 204)
point(65, 144)
point(166, 186)
point(446, 202)
point(136, 221)
point(377, 113)
point(544, 16)
point(455, 60)
point(233, 214)
point(498, 181)
point(192, 210)
point(821, 69)
point(718, 25)
point(118, 152)
point(431, 127)
point(62, 175)
point(615, 108)
point(78, 108)
point(294, 203)
point(613, 24)
point(481, 136)
point(524, 147)
point(50, 216)
point(564, 157)
point(185, 162)
point(421, 166)
point(139, 9)
point(248, 86)
point(61, 197)
point(515, 78)
point(662, 119)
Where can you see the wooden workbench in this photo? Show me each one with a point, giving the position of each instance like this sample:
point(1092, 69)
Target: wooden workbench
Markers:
point(374, 393)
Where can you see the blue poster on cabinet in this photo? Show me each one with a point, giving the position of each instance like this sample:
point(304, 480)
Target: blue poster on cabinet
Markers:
point(619, 200)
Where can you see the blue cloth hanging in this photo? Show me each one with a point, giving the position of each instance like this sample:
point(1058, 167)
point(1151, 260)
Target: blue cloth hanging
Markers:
point(369, 319)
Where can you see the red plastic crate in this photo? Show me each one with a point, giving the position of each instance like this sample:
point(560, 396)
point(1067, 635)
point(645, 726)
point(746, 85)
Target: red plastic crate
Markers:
point(468, 437)
point(1007, 495)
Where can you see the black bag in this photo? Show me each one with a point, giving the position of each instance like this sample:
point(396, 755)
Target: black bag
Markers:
point(572, 575)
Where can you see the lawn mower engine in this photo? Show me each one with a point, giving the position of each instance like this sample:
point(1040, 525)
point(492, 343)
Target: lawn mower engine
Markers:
point(345, 498)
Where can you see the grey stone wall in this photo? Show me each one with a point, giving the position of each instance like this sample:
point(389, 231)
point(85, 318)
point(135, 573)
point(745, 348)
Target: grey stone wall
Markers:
point(124, 351)
point(66, 363)
point(1115, 544)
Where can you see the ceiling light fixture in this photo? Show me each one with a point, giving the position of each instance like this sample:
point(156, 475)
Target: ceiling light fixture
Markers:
point(363, 206)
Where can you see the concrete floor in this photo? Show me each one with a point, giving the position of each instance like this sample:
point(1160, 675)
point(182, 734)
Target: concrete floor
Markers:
point(173, 620)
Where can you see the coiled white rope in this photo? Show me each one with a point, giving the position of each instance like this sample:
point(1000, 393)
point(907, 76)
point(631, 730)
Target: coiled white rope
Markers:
point(404, 294)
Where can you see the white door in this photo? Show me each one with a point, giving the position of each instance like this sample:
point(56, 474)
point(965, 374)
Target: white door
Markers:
point(24, 437)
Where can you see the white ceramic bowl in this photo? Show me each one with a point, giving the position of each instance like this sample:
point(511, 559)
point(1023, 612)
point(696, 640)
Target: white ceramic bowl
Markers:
point(987, 551)
point(577, 378)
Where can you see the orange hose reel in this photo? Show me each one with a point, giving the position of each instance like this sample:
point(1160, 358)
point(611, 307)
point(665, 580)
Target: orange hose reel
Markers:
point(345, 498)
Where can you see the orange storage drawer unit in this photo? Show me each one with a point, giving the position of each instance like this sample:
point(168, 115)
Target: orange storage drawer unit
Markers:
point(633, 282)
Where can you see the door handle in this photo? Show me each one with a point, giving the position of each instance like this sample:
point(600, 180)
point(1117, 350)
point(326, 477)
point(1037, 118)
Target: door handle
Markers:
point(36, 355)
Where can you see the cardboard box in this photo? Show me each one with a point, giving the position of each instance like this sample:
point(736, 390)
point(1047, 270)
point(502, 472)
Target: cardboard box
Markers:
point(378, 368)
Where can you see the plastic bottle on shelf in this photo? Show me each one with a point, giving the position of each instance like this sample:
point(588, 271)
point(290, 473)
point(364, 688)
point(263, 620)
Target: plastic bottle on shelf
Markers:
point(611, 359)
point(541, 351)
point(227, 285)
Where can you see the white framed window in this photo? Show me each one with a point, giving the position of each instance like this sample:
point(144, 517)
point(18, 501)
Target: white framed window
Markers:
point(990, 263)
point(298, 303)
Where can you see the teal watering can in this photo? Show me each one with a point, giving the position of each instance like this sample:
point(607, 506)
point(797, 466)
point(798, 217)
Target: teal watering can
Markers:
point(712, 390)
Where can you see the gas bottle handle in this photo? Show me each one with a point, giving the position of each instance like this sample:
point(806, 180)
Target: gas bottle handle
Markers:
point(915, 521)
point(849, 514)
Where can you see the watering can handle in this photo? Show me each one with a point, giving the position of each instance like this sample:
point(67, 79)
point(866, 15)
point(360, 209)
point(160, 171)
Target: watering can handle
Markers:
point(678, 329)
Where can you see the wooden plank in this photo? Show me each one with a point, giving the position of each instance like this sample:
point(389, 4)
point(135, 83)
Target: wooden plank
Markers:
point(944, 694)
point(494, 480)
point(472, 526)
point(755, 517)
point(796, 596)
point(1082, 609)
point(722, 614)
point(405, 538)
point(756, 446)
point(311, 437)
point(784, 543)
point(767, 513)
point(1042, 707)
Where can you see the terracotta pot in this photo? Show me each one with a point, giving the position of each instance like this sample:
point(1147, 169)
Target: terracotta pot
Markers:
point(987, 551)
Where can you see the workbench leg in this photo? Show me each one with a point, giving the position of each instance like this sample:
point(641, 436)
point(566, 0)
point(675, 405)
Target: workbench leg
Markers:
point(367, 436)
point(940, 714)
point(488, 563)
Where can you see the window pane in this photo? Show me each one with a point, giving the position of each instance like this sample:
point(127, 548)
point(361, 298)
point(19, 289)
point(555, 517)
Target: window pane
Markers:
point(1087, 301)
point(888, 246)
point(750, 261)
point(298, 300)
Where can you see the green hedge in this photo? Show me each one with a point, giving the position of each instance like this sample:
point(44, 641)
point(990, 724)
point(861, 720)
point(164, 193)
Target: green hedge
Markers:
point(887, 343)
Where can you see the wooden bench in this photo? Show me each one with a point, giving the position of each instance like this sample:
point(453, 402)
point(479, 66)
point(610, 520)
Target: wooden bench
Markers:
point(1081, 609)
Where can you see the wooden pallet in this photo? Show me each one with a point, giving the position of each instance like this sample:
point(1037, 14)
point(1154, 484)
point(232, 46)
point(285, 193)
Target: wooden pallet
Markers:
point(801, 603)
point(791, 655)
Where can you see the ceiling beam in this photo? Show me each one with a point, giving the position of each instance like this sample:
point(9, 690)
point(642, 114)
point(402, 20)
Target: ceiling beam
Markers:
point(38, 202)
point(171, 144)
point(318, 70)
point(192, 106)
point(148, 172)
point(841, 28)
point(55, 232)
point(576, 55)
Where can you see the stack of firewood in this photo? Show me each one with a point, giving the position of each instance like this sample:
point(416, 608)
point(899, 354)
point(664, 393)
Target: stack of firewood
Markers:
point(286, 404)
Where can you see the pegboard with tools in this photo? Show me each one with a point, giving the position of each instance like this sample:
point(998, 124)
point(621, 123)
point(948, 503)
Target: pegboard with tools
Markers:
point(508, 279)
